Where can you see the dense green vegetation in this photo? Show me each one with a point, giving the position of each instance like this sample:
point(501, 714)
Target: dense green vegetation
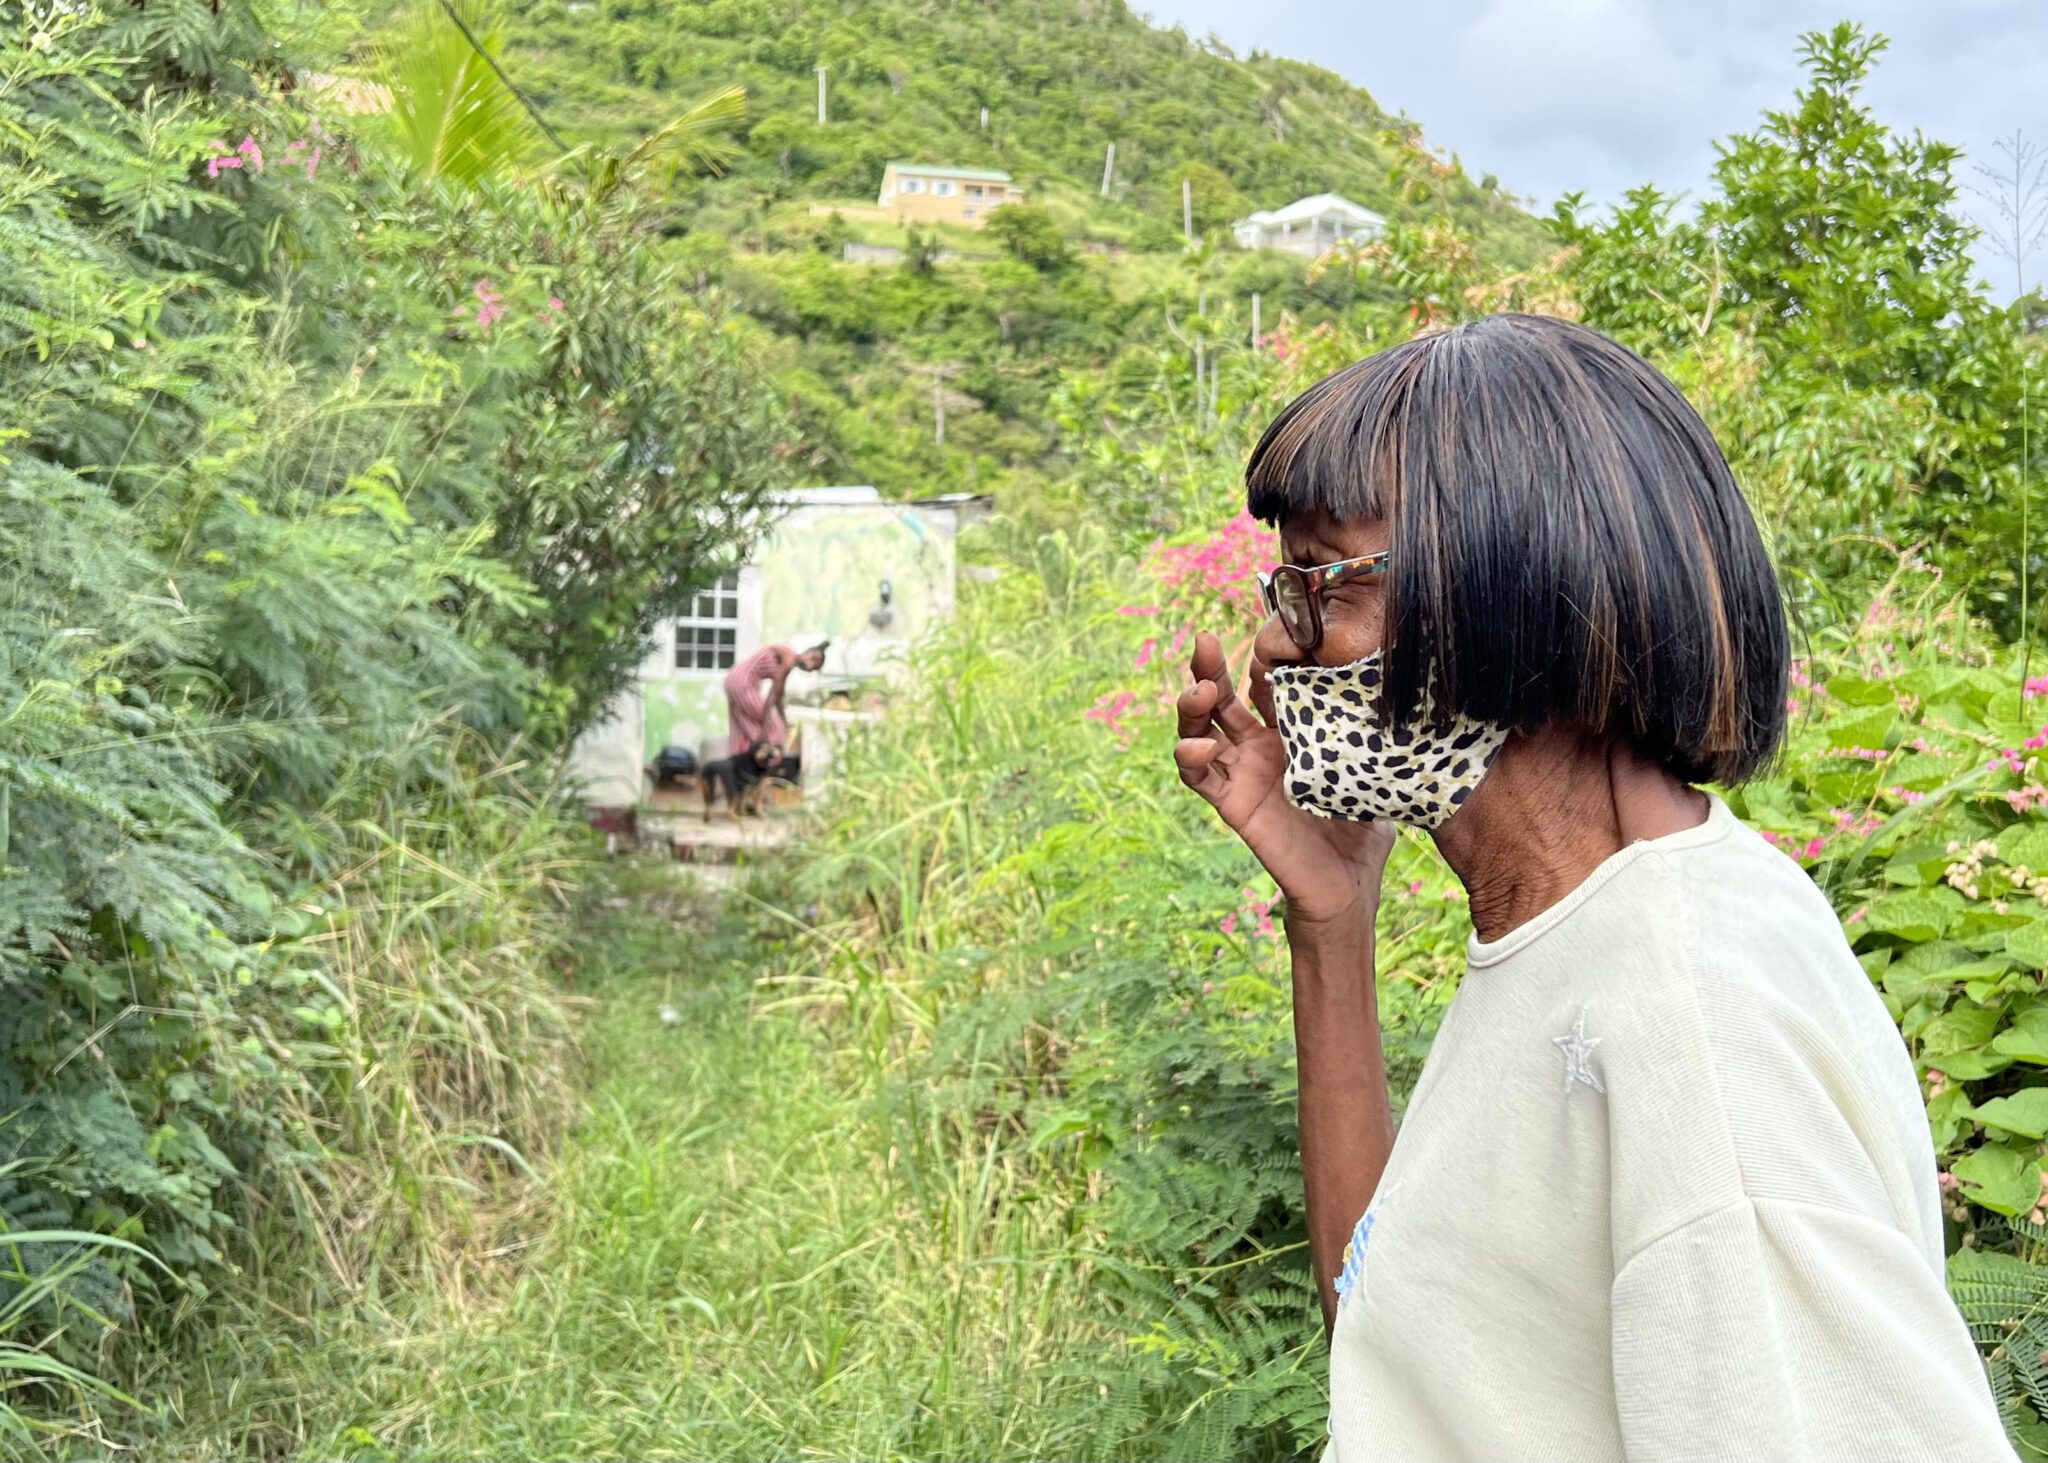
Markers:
point(322, 488)
point(350, 458)
point(1060, 79)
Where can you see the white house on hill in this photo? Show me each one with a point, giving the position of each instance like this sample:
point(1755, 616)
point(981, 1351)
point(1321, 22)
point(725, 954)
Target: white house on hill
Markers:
point(1309, 225)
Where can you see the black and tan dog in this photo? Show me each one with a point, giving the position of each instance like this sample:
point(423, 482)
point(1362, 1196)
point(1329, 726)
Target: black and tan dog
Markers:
point(739, 779)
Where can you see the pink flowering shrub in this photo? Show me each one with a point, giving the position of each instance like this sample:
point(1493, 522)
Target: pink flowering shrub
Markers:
point(300, 155)
point(487, 306)
point(1207, 584)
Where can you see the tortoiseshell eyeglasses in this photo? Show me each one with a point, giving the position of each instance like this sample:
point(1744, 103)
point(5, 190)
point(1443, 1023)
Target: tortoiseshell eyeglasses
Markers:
point(1295, 594)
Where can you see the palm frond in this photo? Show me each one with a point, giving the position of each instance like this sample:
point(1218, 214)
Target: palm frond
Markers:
point(452, 116)
point(695, 141)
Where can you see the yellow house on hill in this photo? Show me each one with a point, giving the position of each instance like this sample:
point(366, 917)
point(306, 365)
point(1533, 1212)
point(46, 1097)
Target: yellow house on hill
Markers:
point(913, 193)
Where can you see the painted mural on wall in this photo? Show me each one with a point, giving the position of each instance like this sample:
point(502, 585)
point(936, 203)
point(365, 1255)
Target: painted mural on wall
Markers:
point(823, 573)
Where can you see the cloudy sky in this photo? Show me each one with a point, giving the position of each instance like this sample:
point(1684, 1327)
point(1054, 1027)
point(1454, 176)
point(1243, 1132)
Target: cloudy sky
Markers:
point(1599, 95)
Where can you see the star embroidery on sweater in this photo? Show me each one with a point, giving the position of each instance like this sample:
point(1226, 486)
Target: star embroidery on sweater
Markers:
point(1578, 1050)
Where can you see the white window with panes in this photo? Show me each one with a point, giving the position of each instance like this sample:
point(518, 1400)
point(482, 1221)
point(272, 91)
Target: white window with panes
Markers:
point(707, 639)
point(913, 185)
point(944, 190)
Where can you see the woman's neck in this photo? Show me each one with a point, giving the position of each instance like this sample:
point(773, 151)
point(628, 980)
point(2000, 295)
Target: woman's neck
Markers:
point(1555, 807)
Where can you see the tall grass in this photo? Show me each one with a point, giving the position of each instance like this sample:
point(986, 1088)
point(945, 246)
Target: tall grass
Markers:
point(737, 1260)
point(439, 1079)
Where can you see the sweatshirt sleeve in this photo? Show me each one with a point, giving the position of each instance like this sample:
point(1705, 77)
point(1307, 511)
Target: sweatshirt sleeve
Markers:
point(1771, 1329)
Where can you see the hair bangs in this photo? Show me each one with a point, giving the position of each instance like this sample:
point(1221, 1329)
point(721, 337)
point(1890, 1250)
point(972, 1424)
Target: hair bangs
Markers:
point(1337, 447)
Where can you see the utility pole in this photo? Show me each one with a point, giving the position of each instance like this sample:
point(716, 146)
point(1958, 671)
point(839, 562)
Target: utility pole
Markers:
point(984, 119)
point(821, 96)
point(1216, 386)
point(1108, 168)
point(1198, 380)
point(1255, 319)
point(938, 406)
point(1187, 210)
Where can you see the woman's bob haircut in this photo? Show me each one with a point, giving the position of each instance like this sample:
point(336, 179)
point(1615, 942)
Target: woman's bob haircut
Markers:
point(1568, 542)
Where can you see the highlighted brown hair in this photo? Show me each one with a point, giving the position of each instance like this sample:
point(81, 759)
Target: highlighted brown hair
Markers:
point(1569, 544)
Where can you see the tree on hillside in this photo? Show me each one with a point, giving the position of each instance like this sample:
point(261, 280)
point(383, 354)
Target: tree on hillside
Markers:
point(1030, 235)
point(1216, 201)
point(640, 451)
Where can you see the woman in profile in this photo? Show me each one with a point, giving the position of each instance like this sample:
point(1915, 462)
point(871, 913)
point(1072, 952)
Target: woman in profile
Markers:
point(1664, 1188)
point(754, 691)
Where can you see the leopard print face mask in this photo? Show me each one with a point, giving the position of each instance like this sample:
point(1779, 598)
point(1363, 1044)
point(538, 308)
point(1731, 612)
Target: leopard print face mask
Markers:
point(1344, 761)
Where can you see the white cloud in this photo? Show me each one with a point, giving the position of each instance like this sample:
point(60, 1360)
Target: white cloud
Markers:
point(1550, 68)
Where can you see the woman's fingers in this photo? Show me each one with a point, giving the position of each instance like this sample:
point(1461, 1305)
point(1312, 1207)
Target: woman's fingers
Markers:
point(1260, 691)
point(1196, 708)
point(1196, 758)
point(1227, 713)
point(1232, 715)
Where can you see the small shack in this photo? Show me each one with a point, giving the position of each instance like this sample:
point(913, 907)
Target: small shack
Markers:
point(871, 574)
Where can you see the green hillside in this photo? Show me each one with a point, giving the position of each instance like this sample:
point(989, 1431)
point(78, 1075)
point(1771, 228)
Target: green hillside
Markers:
point(1061, 79)
point(874, 354)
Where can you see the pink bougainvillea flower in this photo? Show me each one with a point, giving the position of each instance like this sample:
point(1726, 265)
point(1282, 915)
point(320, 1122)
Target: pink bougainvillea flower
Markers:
point(2037, 685)
point(248, 149)
point(1414, 887)
point(1110, 711)
point(222, 159)
point(1145, 652)
point(490, 306)
point(1180, 641)
point(1814, 847)
point(1228, 926)
point(555, 304)
point(1138, 609)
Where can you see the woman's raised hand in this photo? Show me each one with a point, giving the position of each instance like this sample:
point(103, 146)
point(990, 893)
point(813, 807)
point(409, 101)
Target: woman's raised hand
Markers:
point(1329, 870)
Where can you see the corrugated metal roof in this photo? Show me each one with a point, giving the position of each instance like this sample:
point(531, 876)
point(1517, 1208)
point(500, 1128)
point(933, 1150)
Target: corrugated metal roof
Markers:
point(928, 170)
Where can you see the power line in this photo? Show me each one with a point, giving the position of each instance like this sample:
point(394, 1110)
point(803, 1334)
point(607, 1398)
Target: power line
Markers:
point(510, 85)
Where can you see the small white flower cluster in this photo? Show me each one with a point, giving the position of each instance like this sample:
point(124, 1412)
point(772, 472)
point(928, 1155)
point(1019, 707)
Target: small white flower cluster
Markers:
point(1966, 874)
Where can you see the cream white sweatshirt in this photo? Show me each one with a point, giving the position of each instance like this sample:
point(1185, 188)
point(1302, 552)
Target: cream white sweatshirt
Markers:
point(1664, 1191)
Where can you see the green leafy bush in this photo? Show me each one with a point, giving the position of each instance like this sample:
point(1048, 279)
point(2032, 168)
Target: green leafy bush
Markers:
point(319, 502)
point(1913, 789)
